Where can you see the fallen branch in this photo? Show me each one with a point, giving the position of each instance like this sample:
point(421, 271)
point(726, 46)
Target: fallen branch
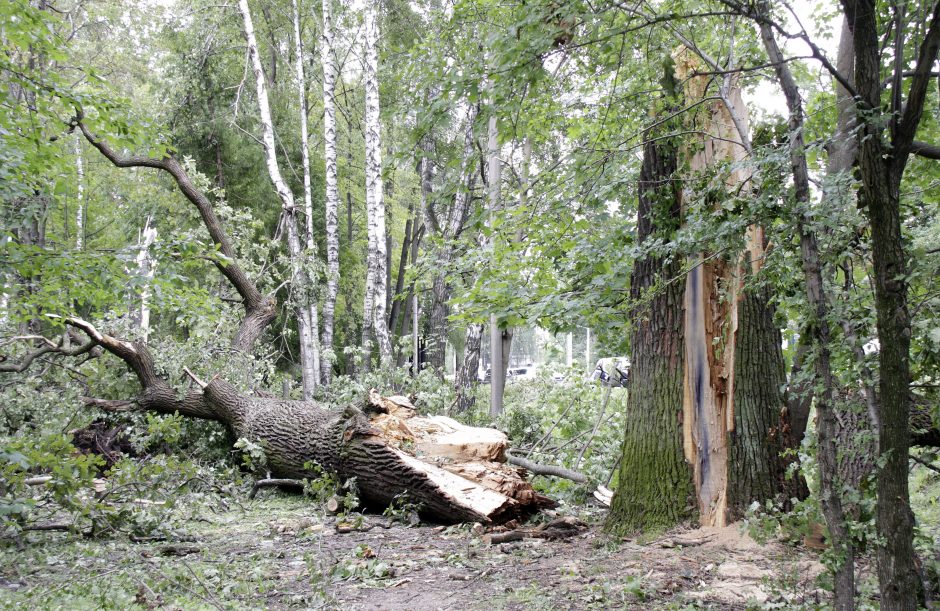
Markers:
point(925, 463)
point(689, 542)
point(110, 405)
point(271, 482)
point(539, 469)
point(559, 528)
point(39, 480)
point(597, 424)
point(47, 347)
point(50, 526)
point(353, 527)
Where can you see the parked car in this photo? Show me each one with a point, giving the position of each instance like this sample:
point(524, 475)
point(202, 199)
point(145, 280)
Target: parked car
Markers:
point(522, 373)
point(612, 371)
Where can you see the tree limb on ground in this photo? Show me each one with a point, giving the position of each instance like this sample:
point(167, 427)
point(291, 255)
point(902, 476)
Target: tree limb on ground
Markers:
point(559, 528)
point(454, 472)
point(552, 470)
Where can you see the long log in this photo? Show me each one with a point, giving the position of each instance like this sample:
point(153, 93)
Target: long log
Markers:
point(455, 473)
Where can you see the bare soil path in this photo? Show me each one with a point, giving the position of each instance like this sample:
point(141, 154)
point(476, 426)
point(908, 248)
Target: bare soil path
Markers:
point(280, 552)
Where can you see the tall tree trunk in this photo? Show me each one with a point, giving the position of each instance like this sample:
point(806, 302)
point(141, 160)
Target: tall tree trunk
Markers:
point(396, 307)
point(146, 267)
point(654, 483)
point(309, 350)
point(722, 318)
point(374, 200)
point(467, 373)
point(328, 59)
point(881, 167)
point(438, 324)
point(756, 468)
point(312, 365)
point(79, 195)
point(493, 176)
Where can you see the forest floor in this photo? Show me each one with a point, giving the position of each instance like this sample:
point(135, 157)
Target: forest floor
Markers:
point(280, 551)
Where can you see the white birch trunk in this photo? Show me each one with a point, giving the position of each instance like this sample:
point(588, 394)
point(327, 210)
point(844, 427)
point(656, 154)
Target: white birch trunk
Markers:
point(374, 203)
point(327, 57)
point(146, 267)
point(587, 350)
point(80, 194)
point(312, 365)
point(309, 350)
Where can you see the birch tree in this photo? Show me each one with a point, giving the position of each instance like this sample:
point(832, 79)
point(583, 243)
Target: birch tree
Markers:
point(328, 59)
point(376, 294)
point(79, 195)
point(146, 266)
point(304, 311)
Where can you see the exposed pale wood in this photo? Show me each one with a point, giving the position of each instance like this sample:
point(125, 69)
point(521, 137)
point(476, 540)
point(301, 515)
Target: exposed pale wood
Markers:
point(713, 289)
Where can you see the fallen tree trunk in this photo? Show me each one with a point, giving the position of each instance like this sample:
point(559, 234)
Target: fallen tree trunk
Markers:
point(455, 473)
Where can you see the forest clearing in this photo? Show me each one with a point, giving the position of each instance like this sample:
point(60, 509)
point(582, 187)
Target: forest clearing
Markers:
point(424, 304)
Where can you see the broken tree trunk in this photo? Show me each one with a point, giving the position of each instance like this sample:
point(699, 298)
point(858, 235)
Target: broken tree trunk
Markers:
point(454, 472)
point(732, 402)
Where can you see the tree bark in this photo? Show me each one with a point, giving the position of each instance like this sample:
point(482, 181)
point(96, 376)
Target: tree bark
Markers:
point(79, 195)
point(376, 299)
point(654, 483)
point(146, 266)
point(328, 58)
point(312, 366)
point(438, 324)
point(396, 307)
point(881, 167)
point(455, 473)
point(467, 373)
point(493, 176)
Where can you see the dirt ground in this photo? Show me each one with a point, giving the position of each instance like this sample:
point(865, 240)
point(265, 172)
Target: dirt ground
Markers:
point(279, 552)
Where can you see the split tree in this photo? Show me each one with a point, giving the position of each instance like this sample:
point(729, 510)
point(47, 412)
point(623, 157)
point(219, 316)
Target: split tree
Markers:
point(705, 414)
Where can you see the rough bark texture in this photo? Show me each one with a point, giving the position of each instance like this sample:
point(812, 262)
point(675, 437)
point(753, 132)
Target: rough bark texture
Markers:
point(455, 473)
point(756, 471)
point(374, 200)
point(881, 167)
point(332, 191)
point(466, 377)
point(654, 485)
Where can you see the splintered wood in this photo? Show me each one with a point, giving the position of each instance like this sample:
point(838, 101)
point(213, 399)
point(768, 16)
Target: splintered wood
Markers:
point(466, 464)
point(713, 286)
